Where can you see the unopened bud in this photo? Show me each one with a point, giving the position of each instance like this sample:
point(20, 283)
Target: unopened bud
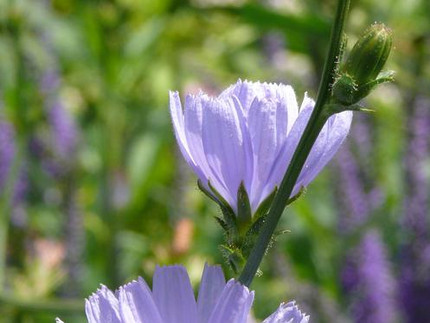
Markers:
point(362, 70)
point(369, 54)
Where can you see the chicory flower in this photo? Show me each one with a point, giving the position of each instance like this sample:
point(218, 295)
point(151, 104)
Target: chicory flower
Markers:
point(172, 301)
point(247, 136)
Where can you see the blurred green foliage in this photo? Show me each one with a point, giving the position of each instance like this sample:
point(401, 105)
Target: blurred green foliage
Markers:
point(135, 201)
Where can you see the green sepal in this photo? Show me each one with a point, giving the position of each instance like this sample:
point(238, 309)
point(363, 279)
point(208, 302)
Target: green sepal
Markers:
point(386, 76)
point(336, 108)
point(280, 233)
point(383, 77)
point(234, 258)
point(342, 49)
point(252, 235)
point(360, 108)
point(244, 216)
point(295, 197)
point(229, 221)
point(222, 223)
point(265, 205)
point(207, 193)
point(222, 202)
point(343, 44)
point(344, 89)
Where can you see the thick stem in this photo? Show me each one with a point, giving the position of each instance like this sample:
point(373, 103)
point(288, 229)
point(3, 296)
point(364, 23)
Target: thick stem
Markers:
point(310, 134)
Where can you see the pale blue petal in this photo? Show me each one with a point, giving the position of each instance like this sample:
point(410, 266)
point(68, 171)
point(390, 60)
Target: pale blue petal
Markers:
point(188, 132)
point(287, 101)
point(177, 116)
point(193, 133)
point(287, 313)
point(211, 287)
point(325, 147)
point(174, 295)
point(286, 153)
point(137, 304)
point(223, 145)
point(247, 144)
point(262, 128)
point(193, 115)
point(287, 110)
point(102, 307)
point(245, 91)
point(234, 304)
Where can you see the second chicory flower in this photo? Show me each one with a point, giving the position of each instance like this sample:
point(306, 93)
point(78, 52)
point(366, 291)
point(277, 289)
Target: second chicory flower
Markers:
point(172, 301)
point(246, 138)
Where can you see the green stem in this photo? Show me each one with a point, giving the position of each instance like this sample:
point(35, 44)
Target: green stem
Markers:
point(6, 203)
point(310, 134)
point(59, 307)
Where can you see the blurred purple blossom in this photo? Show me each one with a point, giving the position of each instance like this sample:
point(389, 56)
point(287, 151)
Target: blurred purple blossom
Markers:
point(366, 274)
point(172, 300)
point(375, 285)
point(19, 185)
point(417, 181)
point(7, 152)
point(248, 135)
point(64, 132)
point(355, 206)
point(415, 256)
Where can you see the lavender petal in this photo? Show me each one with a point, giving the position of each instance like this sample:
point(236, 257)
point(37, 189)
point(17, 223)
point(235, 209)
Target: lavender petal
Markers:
point(211, 287)
point(137, 304)
point(102, 307)
point(223, 144)
point(234, 304)
point(174, 295)
point(287, 313)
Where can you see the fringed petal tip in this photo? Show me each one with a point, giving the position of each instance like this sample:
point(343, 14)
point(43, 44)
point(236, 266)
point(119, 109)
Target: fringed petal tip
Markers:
point(130, 284)
point(233, 283)
point(288, 313)
point(101, 291)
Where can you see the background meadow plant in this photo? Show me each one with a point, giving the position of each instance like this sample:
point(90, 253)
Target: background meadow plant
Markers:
point(125, 202)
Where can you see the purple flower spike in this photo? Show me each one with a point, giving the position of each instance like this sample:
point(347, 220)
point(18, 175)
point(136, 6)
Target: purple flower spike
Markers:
point(248, 135)
point(172, 301)
point(7, 151)
point(376, 285)
point(64, 130)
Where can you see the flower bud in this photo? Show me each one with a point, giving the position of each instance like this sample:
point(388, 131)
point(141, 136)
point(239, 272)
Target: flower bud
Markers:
point(369, 54)
point(361, 72)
